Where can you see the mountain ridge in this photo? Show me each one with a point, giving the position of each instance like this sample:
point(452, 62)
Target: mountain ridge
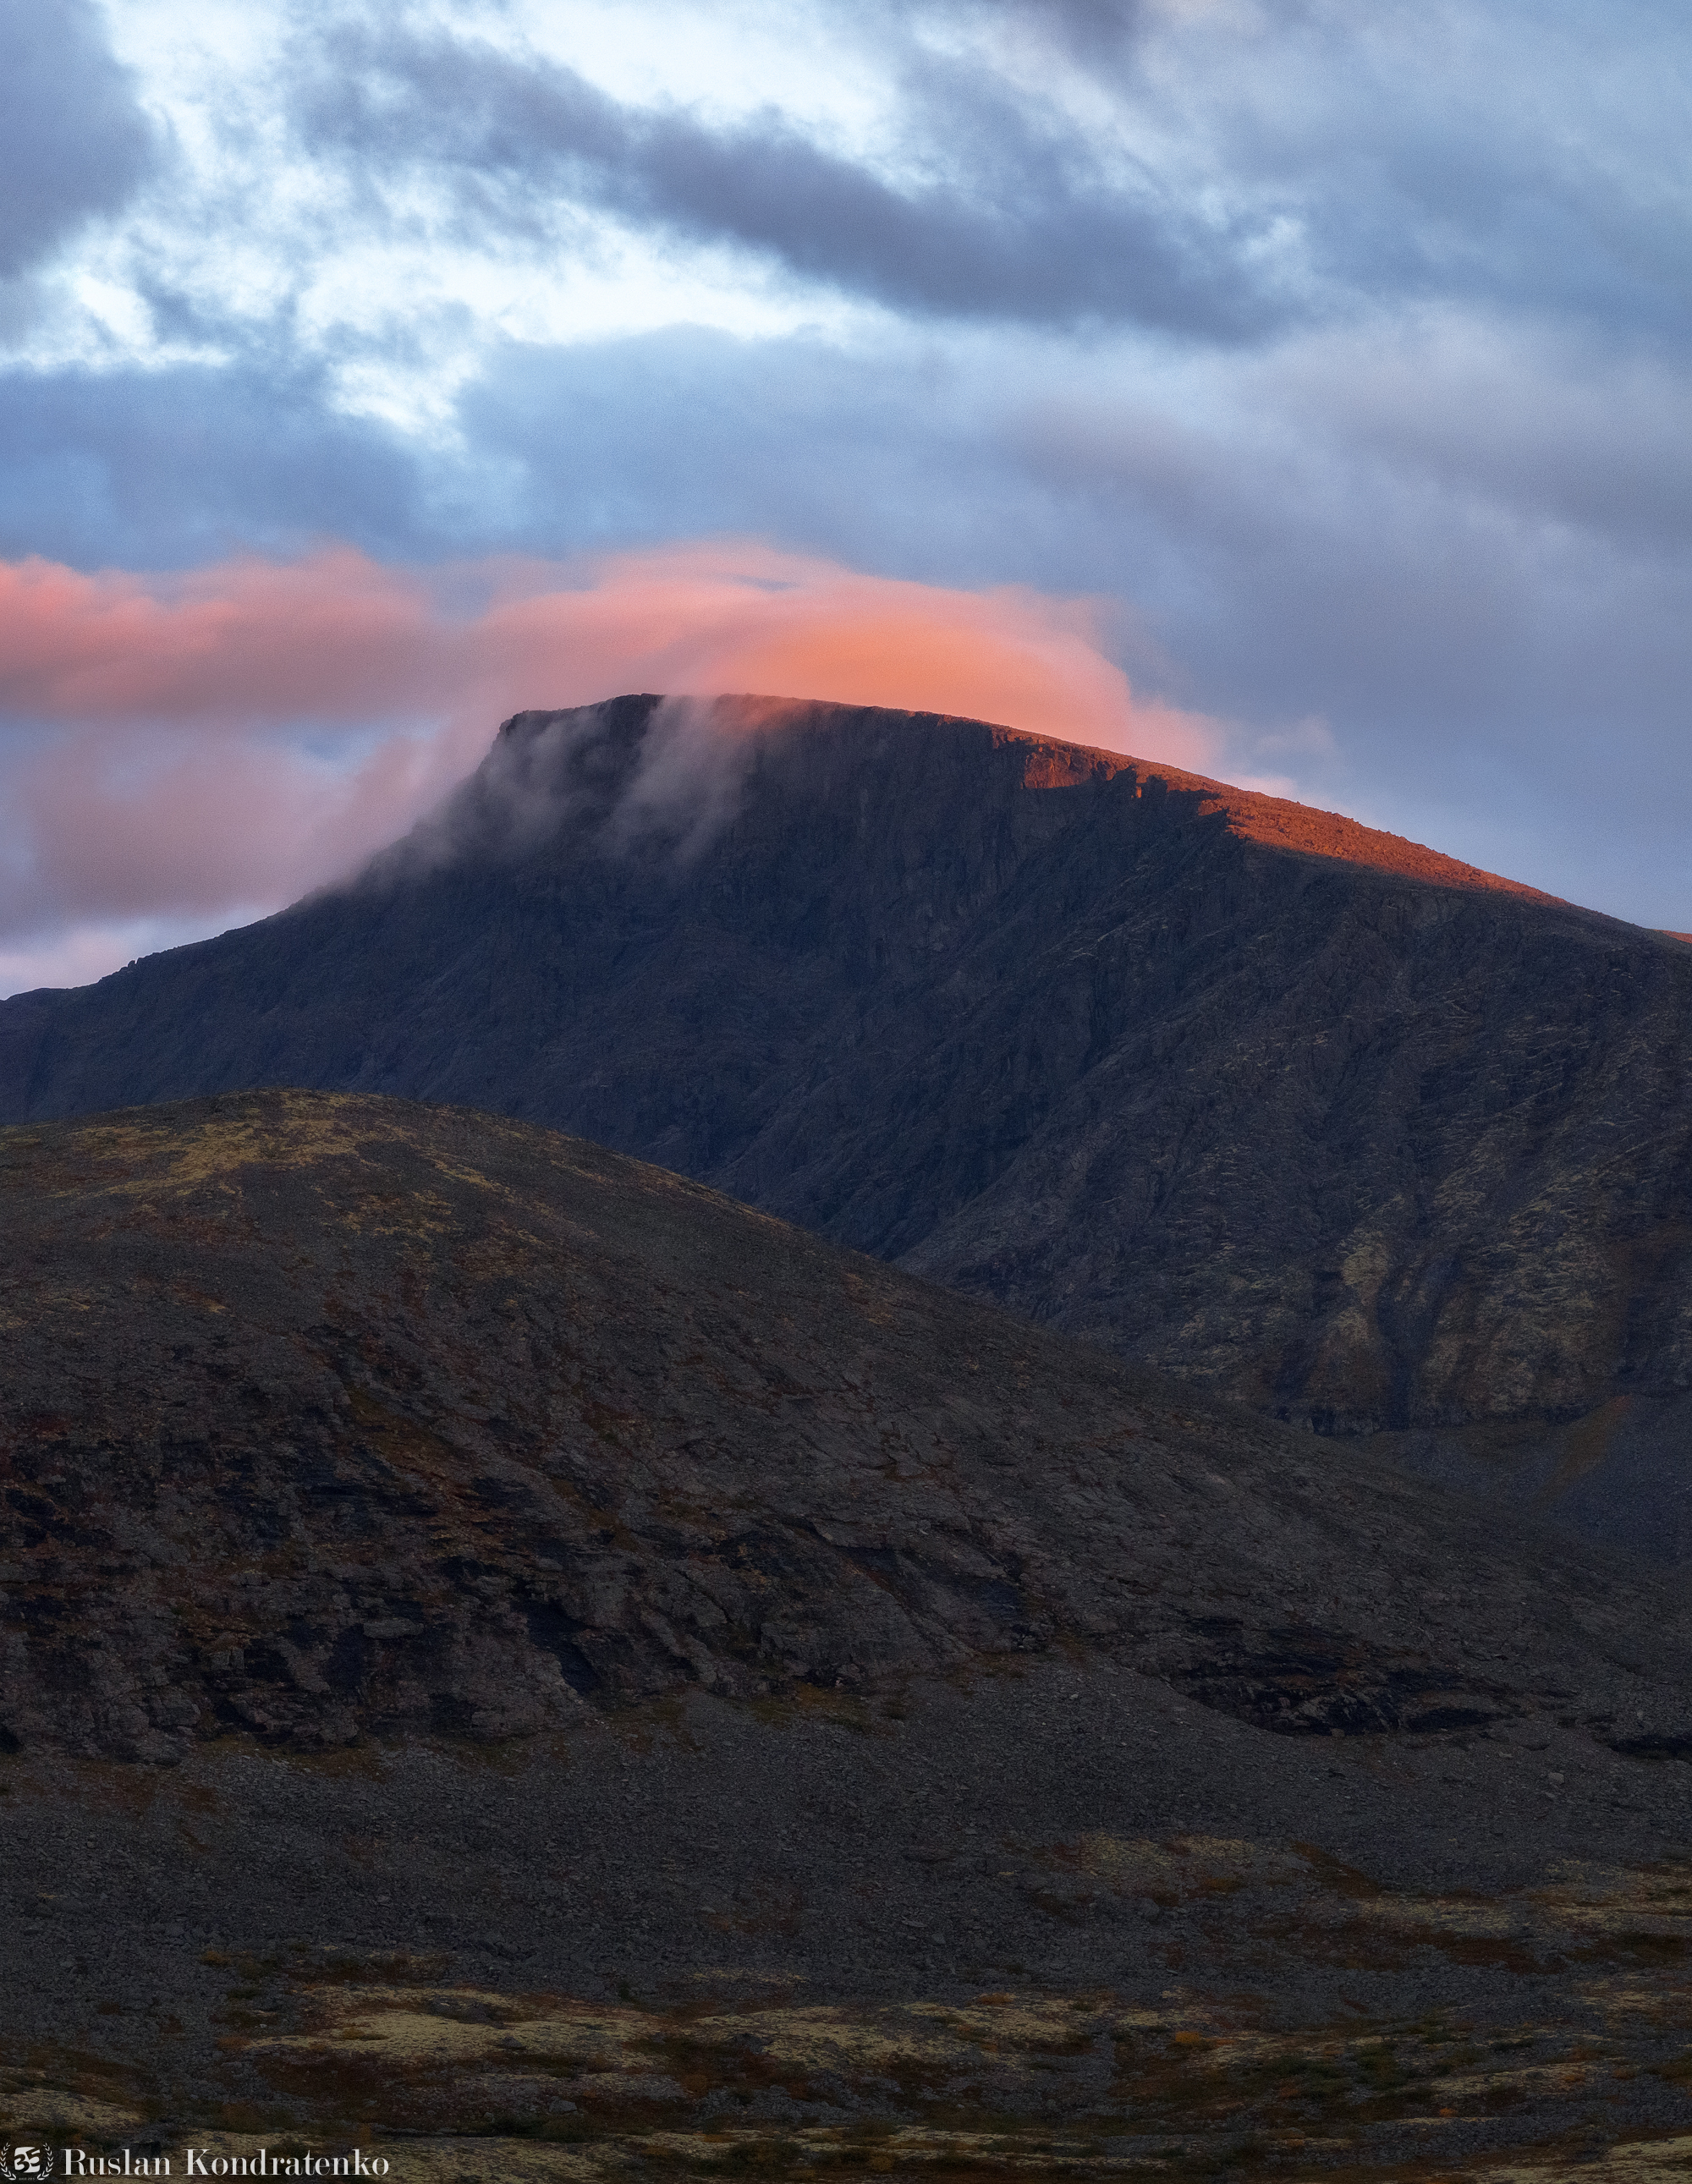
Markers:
point(1375, 1143)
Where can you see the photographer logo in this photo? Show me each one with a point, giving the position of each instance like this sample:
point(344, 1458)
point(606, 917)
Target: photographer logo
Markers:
point(18, 2163)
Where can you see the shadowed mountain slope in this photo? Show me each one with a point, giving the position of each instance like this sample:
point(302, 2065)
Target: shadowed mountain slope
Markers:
point(1312, 1116)
point(323, 1416)
point(640, 1692)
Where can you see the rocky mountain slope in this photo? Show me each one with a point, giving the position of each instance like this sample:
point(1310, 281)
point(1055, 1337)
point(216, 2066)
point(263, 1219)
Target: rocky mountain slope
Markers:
point(1317, 1119)
point(514, 1659)
point(324, 1416)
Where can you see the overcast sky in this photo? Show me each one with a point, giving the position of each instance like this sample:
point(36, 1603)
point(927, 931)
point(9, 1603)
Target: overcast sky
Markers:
point(1297, 391)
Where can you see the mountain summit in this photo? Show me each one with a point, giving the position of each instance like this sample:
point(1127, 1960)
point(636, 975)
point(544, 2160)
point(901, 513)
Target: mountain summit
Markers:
point(1308, 1115)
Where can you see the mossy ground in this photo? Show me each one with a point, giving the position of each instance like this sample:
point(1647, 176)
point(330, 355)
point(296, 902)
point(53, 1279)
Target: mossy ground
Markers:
point(726, 2078)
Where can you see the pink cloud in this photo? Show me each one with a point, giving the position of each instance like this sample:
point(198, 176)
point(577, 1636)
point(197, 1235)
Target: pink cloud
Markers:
point(181, 745)
point(317, 639)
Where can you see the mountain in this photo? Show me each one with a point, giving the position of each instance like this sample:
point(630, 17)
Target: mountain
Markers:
point(1317, 1119)
point(505, 1650)
point(373, 1418)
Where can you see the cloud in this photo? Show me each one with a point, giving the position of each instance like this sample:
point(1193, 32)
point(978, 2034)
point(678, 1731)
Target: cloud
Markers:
point(178, 464)
point(690, 768)
point(1436, 536)
point(74, 141)
point(234, 736)
point(1219, 172)
point(1017, 215)
point(1509, 156)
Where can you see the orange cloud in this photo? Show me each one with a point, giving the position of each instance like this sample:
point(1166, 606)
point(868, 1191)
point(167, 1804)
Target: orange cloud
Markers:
point(724, 616)
point(230, 737)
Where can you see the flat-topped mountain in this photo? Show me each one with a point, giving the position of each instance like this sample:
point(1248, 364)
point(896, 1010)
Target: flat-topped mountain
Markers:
point(1314, 1118)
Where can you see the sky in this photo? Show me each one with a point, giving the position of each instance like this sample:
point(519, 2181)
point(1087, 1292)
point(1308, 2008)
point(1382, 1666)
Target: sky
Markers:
point(1296, 392)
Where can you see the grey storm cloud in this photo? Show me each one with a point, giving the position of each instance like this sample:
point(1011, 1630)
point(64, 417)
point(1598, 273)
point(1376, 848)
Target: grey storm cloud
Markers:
point(167, 467)
point(1356, 527)
point(1020, 221)
point(73, 142)
point(1298, 163)
point(1521, 154)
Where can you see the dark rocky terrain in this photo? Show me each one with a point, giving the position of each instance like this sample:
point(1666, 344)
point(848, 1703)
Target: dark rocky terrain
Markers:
point(516, 1661)
point(326, 1417)
point(1313, 1118)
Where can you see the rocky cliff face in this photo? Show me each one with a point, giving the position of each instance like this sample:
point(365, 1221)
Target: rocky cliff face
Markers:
point(1311, 1117)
